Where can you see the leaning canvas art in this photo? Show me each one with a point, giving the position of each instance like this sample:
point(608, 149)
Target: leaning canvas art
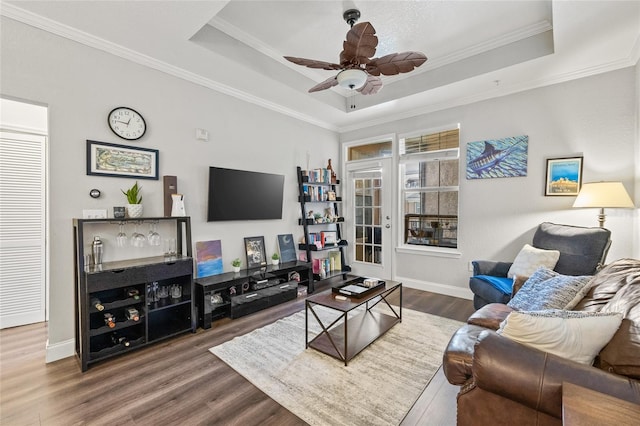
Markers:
point(497, 158)
point(287, 248)
point(209, 258)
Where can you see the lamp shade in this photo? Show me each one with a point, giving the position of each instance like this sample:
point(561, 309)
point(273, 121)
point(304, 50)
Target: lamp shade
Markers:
point(603, 194)
point(352, 78)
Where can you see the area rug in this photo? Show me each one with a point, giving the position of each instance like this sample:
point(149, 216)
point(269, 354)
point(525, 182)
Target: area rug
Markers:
point(378, 387)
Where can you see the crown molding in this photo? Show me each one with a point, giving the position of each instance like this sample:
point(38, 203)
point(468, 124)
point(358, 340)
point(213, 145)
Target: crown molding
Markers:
point(53, 27)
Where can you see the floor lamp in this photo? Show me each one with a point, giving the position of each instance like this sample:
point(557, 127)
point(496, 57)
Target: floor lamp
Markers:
point(603, 195)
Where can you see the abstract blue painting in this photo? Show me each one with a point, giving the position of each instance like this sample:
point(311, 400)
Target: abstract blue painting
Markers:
point(497, 158)
point(209, 258)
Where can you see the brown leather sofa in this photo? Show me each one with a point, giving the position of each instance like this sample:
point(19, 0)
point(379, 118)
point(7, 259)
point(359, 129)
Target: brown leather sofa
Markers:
point(506, 383)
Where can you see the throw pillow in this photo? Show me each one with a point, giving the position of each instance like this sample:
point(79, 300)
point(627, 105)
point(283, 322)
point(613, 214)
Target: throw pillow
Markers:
point(574, 335)
point(547, 289)
point(530, 258)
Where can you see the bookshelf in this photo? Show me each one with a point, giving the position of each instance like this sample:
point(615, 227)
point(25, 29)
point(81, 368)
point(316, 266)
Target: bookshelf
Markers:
point(322, 223)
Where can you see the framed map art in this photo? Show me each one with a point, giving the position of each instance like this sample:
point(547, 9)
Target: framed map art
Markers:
point(109, 159)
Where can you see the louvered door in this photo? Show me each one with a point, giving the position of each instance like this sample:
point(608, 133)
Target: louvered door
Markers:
point(22, 229)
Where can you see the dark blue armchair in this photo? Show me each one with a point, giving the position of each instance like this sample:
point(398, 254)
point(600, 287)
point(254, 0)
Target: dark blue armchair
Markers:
point(582, 252)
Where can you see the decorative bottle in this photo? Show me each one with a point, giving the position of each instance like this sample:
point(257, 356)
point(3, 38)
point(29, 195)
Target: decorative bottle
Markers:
point(96, 303)
point(109, 320)
point(133, 293)
point(323, 271)
point(333, 174)
point(120, 340)
point(133, 314)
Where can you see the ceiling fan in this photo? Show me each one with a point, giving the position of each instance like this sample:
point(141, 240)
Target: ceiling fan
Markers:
point(358, 70)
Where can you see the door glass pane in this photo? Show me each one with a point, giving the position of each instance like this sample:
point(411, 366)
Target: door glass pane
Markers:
point(359, 216)
point(368, 214)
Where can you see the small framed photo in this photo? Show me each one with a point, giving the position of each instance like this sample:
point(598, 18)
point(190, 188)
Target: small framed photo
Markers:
point(109, 159)
point(329, 238)
point(331, 196)
point(564, 176)
point(254, 247)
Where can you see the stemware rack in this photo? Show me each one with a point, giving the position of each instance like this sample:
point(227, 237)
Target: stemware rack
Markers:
point(113, 283)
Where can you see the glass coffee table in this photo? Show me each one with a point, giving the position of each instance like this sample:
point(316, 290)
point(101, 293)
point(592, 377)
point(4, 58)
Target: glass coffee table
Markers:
point(346, 336)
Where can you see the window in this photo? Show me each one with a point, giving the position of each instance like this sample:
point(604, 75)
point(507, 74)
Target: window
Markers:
point(429, 169)
point(368, 151)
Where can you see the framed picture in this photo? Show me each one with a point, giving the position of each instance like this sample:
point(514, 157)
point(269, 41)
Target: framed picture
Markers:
point(331, 196)
point(564, 176)
point(108, 159)
point(254, 246)
point(498, 158)
point(287, 248)
point(329, 238)
point(209, 258)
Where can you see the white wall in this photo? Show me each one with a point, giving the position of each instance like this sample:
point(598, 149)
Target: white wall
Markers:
point(80, 85)
point(636, 231)
point(594, 117)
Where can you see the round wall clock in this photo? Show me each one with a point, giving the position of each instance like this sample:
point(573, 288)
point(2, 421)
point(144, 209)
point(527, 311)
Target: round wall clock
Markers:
point(127, 123)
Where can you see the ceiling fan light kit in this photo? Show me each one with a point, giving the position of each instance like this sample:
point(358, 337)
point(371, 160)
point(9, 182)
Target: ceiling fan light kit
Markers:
point(358, 69)
point(352, 79)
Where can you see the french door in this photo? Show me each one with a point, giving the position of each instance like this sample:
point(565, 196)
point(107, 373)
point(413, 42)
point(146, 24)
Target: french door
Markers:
point(369, 203)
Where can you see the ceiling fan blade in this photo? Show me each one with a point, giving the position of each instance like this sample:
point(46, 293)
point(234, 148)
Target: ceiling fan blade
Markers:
point(312, 63)
point(396, 63)
point(371, 86)
point(360, 44)
point(327, 84)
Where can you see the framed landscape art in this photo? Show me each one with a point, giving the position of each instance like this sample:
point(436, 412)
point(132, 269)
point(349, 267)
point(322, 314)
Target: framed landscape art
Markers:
point(109, 159)
point(563, 177)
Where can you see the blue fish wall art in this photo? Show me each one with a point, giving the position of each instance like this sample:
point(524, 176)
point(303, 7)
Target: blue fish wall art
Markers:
point(497, 158)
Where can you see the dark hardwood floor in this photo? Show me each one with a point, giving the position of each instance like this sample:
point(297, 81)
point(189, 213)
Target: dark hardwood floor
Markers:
point(177, 381)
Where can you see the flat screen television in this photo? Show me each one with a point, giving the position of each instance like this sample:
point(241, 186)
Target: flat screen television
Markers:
point(244, 195)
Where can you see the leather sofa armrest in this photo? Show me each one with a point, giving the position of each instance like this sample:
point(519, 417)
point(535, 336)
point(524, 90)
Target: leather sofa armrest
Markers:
point(491, 267)
point(490, 316)
point(534, 378)
point(458, 357)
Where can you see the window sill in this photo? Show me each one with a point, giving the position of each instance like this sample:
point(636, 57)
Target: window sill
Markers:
point(429, 251)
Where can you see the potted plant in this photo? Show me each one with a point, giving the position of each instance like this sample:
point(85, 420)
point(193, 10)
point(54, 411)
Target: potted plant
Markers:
point(275, 259)
point(134, 208)
point(236, 263)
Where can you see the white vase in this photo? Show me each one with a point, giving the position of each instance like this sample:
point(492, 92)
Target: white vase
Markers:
point(177, 206)
point(275, 261)
point(236, 269)
point(134, 210)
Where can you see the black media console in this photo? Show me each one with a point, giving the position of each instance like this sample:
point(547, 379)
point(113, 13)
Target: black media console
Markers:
point(235, 294)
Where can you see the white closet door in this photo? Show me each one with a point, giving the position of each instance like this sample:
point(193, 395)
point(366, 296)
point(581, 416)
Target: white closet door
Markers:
point(22, 229)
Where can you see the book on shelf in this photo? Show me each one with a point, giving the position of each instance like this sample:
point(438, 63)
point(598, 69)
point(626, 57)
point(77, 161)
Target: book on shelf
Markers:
point(318, 175)
point(335, 261)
